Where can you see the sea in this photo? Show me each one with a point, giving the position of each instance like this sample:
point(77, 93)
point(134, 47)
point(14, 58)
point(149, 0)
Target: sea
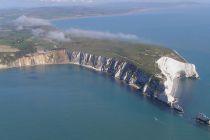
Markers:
point(67, 102)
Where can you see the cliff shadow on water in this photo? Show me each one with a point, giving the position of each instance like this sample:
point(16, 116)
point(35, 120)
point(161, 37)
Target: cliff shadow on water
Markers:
point(138, 93)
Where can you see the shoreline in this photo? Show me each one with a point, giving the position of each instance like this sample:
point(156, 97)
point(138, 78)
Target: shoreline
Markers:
point(4, 67)
point(101, 15)
point(131, 12)
point(163, 90)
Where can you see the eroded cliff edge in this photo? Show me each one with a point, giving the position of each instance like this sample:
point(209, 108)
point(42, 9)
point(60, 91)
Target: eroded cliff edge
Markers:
point(159, 85)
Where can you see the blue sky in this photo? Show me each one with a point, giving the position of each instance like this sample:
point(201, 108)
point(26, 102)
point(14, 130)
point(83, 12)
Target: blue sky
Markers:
point(32, 3)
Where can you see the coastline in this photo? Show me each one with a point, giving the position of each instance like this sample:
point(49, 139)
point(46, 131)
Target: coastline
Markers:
point(103, 15)
point(162, 89)
point(131, 12)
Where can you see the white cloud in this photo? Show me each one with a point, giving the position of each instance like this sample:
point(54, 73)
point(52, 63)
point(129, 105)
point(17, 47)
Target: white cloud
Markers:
point(24, 21)
point(58, 35)
point(101, 35)
point(38, 32)
point(65, 36)
point(53, 35)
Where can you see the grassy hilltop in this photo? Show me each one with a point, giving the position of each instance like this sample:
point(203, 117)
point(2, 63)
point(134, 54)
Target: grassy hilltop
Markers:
point(16, 43)
point(142, 55)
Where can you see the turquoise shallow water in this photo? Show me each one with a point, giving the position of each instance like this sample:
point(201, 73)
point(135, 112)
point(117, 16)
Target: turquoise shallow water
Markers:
point(62, 102)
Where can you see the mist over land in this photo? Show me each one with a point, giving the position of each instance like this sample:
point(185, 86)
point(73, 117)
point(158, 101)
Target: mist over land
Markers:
point(37, 29)
point(31, 34)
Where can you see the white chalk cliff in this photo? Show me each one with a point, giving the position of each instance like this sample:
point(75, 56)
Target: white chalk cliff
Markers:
point(173, 69)
point(158, 87)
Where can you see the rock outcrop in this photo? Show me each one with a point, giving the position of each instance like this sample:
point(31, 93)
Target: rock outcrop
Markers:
point(173, 69)
point(154, 86)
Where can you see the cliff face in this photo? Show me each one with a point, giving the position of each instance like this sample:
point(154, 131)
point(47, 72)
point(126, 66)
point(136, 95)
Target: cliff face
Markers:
point(150, 85)
point(172, 70)
point(122, 70)
point(52, 57)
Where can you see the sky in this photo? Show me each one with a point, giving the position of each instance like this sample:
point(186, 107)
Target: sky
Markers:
point(35, 3)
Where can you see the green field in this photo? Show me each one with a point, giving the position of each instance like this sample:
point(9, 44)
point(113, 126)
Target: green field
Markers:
point(142, 55)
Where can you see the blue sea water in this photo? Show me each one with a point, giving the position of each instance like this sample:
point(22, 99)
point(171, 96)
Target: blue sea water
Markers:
point(63, 102)
point(184, 29)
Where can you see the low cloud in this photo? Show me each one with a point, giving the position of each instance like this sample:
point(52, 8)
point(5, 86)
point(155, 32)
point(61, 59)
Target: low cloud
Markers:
point(38, 32)
point(37, 29)
point(53, 35)
point(57, 35)
point(100, 35)
point(24, 21)
point(65, 36)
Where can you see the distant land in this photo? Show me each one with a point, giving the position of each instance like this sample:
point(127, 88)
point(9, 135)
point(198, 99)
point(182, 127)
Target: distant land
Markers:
point(81, 11)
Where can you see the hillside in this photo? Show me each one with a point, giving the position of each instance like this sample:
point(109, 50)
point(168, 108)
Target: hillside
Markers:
point(142, 55)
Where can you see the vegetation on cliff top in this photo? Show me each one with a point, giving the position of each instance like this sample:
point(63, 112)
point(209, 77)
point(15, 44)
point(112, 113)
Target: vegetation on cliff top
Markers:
point(142, 55)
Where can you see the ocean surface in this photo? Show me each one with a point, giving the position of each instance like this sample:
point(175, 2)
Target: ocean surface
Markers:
point(63, 102)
